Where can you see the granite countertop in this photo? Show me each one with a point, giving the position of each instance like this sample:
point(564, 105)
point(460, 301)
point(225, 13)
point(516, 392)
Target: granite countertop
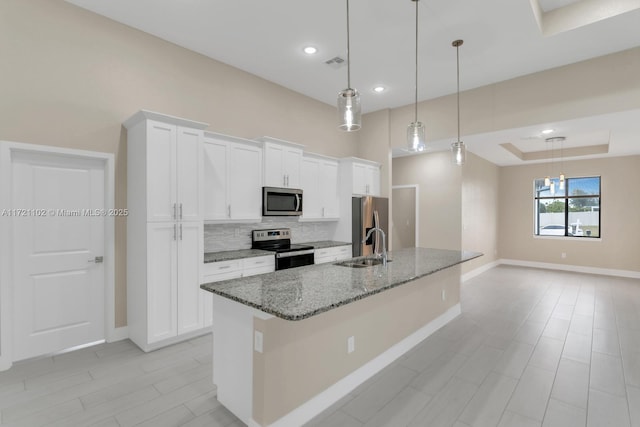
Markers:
point(302, 292)
point(238, 254)
point(326, 244)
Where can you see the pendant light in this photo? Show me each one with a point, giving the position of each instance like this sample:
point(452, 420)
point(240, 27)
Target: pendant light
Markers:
point(415, 130)
point(458, 149)
point(349, 113)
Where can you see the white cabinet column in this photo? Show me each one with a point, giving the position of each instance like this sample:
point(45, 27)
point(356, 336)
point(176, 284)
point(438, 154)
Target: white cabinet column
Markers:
point(164, 229)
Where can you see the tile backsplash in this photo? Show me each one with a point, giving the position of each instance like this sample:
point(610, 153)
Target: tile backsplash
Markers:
point(229, 237)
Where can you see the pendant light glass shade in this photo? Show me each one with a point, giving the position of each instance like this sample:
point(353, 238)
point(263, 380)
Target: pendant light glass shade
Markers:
point(349, 110)
point(416, 134)
point(459, 152)
point(561, 181)
point(416, 137)
point(458, 149)
point(547, 181)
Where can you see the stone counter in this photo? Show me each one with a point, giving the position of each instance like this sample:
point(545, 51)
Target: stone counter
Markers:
point(299, 293)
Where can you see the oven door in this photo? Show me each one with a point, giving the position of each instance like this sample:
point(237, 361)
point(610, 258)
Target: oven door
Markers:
point(294, 259)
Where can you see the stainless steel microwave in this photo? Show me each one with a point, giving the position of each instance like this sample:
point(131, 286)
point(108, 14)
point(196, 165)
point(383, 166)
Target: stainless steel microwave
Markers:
point(281, 201)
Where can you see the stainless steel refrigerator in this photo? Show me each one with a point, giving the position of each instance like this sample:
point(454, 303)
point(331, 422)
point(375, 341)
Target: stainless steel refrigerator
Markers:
point(367, 213)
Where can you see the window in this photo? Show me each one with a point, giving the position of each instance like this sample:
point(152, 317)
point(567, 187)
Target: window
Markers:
point(572, 211)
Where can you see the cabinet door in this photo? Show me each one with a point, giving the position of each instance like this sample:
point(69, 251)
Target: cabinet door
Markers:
point(310, 183)
point(359, 178)
point(215, 182)
point(162, 276)
point(245, 181)
point(291, 167)
point(190, 316)
point(273, 166)
point(161, 171)
point(189, 171)
point(373, 180)
point(329, 189)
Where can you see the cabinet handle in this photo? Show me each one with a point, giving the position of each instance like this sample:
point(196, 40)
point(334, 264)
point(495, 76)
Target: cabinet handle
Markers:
point(284, 180)
point(180, 210)
point(180, 231)
point(175, 211)
point(175, 227)
point(229, 211)
point(224, 267)
point(323, 212)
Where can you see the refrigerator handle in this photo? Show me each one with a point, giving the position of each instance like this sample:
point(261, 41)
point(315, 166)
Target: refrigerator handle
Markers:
point(376, 224)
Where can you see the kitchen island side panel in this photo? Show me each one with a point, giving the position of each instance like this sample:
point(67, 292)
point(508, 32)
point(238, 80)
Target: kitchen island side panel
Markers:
point(303, 358)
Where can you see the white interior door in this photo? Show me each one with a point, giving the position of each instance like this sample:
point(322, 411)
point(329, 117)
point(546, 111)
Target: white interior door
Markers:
point(58, 233)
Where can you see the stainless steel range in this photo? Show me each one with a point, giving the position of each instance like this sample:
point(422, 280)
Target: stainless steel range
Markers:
point(288, 255)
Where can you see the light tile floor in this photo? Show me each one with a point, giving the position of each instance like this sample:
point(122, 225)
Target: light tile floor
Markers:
point(531, 348)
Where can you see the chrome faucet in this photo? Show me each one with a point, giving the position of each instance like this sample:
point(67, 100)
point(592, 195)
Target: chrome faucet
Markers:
point(384, 243)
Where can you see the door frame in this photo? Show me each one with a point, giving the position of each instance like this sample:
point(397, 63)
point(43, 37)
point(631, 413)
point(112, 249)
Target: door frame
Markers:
point(416, 188)
point(7, 148)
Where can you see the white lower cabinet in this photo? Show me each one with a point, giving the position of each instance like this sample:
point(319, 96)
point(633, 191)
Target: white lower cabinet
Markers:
point(233, 269)
point(170, 295)
point(336, 253)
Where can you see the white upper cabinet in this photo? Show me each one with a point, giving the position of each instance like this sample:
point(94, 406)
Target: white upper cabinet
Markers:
point(173, 165)
point(245, 181)
point(233, 179)
point(319, 182)
point(365, 177)
point(282, 160)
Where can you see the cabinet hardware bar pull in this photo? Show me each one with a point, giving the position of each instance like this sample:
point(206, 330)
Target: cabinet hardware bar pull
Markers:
point(225, 267)
point(180, 210)
point(229, 211)
point(175, 212)
point(180, 231)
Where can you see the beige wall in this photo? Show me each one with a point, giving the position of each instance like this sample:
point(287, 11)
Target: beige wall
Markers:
point(440, 183)
point(282, 378)
point(69, 78)
point(373, 144)
point(480, 221)
point(619, 247)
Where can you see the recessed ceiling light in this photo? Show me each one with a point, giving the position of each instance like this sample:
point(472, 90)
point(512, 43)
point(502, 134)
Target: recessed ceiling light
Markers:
point(547, 131)
point(379, 89)
point(310, 50)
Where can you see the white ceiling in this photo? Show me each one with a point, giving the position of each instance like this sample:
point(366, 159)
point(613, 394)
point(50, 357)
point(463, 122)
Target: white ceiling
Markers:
point(503, 39)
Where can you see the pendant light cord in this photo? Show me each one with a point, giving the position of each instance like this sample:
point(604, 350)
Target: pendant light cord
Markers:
point(348, 51)
point(458, 84)
point(416, 97)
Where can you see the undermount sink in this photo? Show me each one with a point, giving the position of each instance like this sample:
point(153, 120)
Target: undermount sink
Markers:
point(360, 263)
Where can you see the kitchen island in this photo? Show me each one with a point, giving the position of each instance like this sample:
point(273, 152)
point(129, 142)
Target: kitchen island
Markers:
point(288, 344)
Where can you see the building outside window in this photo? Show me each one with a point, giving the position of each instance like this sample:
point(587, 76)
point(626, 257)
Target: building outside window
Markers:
point(570, 211)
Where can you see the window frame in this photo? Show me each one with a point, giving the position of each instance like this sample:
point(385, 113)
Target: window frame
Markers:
point(566, 198)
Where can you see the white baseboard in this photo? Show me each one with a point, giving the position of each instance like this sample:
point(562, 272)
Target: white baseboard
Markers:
point(573, 268)
point(478, 271)
point(331, 395)
point(118, 334)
